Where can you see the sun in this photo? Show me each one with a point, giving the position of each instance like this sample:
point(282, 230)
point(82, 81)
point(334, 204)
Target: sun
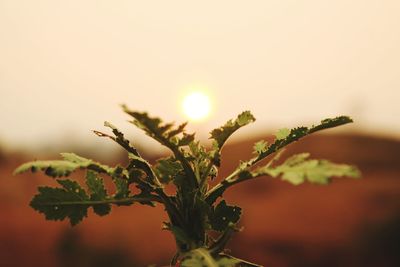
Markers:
point(196, 106)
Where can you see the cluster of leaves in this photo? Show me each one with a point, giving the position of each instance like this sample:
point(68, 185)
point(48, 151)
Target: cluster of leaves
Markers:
point(196, 209)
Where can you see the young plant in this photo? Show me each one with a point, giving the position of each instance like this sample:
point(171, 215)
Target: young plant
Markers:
point(197, 210)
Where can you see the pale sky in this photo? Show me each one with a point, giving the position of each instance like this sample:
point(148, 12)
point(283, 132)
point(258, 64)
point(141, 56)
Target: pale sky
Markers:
point(65, 66)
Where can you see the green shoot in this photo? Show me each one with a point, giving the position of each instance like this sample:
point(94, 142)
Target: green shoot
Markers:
point(196, 209)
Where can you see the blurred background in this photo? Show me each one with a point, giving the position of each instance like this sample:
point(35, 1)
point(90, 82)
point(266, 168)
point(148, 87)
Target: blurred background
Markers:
point(66, 66)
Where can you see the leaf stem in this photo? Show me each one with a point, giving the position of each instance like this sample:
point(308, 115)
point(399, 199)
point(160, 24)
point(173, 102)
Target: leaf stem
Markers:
point(218, 189)
point(172, 211)
point(242, 263)
point(220, 244)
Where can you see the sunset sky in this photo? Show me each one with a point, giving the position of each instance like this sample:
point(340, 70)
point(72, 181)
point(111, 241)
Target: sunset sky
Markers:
point(66, 66)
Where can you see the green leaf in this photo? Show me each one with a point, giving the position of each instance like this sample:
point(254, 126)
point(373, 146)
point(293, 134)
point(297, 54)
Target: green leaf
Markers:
point(330, 123)
point(284, 139)
point(227, 262)
point(298, 169)
point(137, 163)
point(53, 168)
point(294, 135)
point(71, 157)
point(122, 188)
point(260, 147)
point(223, 215)
point(202, 161)
point(197, 150)
point(98, 192)
point(220, 135)
point(96, 186)
point(167, 169)
point(282, 133)
point(52, 202)
point(186, 139)
point(201, 257)
point(191, 208)
point(165, 134)
point(239, 262)
point(145, 122)
point(178, 130)
point(119, 138)
point(59, 168)
point(71, 200)
point(85, 163)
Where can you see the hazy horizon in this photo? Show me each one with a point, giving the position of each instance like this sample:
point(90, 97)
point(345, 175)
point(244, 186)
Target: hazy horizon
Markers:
point(66, 65)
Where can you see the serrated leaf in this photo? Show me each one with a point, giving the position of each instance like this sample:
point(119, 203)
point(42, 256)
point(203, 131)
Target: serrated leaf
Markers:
point(96, 186)
point(191, 211)
point(72, 157)
point(223, 215)
point(284, 139)
point(122, 188)
point(260, 147)
point(186, 139)
point(294, 135)
point(52, 202)
point(53, 168)
point(331, 122)
point(203, 163)
point(282, 133)
point(119, 138)
point(220, 135)
point(150, 125)
point(87, 163)
point(297, 159)
point(98, 192)
point(298, 169)
point(71, 200)
point(165, 135)
point(137, 163)
point(197, 150)
point(178, 130)
point(167, 169)
point(60, 168)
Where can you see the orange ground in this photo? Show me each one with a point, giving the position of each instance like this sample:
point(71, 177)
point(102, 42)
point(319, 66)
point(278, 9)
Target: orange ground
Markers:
point(349, 223)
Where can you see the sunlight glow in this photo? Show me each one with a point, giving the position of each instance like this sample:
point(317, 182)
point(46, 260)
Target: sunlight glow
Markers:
point(196, 105)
